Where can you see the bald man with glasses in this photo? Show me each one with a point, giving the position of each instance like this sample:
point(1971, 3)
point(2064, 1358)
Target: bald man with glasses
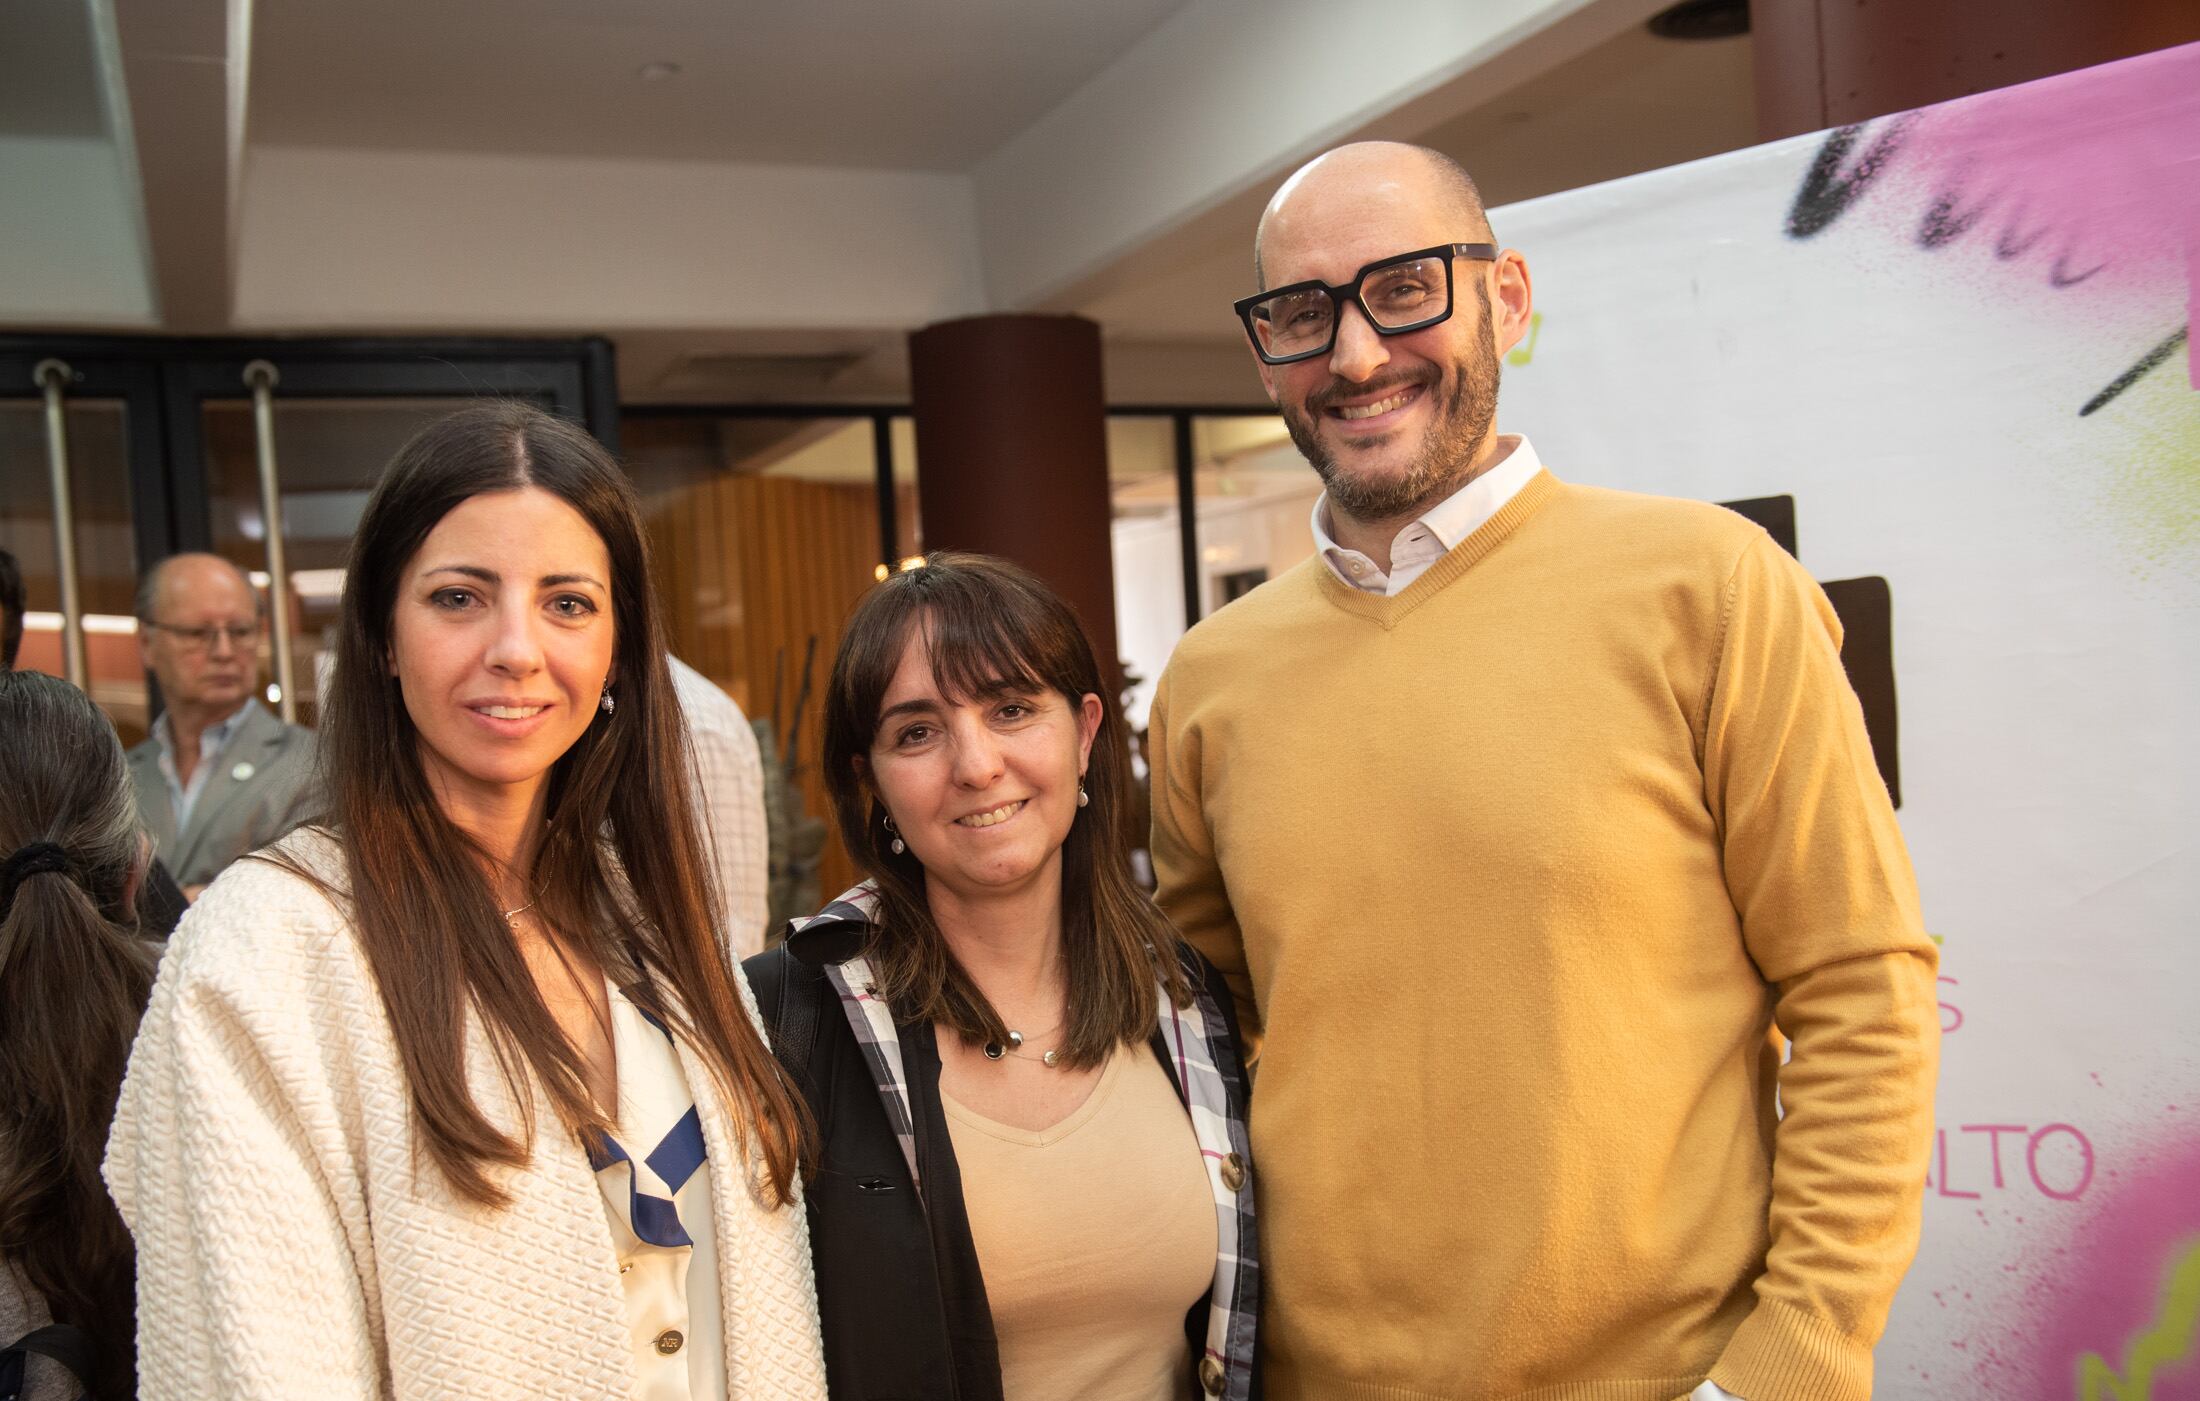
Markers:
point(220, 774)
point(1532, 822)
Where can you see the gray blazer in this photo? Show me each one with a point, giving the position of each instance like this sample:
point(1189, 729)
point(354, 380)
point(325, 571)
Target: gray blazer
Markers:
point(260, 787)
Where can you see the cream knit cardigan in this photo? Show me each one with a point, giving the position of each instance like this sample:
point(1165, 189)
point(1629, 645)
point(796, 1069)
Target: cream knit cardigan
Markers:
point(291, 1243)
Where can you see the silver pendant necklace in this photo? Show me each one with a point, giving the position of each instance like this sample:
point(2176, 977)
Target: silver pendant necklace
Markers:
point(994, 1050)
point(511, 917)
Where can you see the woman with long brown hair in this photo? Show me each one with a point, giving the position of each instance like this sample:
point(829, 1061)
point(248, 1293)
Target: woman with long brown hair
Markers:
point(74, 975)
point(1033, 1177)
point(458, 1094)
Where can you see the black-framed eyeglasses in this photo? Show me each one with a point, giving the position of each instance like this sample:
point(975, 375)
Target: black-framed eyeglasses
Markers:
point(1406, 293)
point(203, 639)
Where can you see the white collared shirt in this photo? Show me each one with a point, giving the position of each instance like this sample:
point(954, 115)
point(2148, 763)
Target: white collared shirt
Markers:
point(1438, 530)
point(728, 783)
point(182, 797)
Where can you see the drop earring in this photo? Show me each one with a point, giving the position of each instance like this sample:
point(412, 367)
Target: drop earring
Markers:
point(605, 703)
point(1084, 799)
point(898, 844)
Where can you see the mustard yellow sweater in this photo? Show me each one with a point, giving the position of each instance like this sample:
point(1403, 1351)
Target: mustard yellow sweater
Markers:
point(1520, 874)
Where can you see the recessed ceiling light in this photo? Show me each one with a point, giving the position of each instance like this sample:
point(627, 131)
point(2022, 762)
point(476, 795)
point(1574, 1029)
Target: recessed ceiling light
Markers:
point(657, 72)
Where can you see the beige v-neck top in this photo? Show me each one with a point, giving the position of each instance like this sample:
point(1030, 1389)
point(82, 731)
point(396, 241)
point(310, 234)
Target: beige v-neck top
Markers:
point(1095, 1236)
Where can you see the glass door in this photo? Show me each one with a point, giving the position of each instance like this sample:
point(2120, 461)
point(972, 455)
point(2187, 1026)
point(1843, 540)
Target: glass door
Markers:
point(165, 449)
point(335, 416)
point(114, 515)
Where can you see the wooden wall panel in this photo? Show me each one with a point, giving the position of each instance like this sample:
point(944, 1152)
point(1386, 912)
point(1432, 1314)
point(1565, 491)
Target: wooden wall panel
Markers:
point(752, 568)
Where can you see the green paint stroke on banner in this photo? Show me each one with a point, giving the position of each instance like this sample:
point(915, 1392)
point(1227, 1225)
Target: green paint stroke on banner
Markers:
point(2152, 493)
point(2165, 1344)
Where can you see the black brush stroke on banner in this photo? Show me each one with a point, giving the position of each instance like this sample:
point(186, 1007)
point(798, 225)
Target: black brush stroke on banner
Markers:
point(2148, 363)
point(1827, 191)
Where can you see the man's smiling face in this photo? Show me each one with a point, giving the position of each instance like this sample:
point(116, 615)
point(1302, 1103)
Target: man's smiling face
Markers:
point(1391, 423)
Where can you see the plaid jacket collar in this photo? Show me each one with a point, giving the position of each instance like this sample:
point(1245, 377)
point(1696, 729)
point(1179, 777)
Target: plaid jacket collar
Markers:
point(1194, 1042)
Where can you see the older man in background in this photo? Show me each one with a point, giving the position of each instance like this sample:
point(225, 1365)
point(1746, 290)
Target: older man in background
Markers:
point(220, 775)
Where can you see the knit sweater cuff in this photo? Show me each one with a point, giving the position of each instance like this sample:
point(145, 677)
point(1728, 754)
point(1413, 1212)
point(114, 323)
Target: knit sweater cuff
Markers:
point(1783, 1354)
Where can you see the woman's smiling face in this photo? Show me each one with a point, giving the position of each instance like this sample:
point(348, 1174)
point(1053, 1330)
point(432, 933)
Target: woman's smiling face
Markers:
point(502, 640)
point(982, 788)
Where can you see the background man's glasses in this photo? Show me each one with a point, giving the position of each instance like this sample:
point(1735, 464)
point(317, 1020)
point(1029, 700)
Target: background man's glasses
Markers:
point(202, 639)
point(1397, 295)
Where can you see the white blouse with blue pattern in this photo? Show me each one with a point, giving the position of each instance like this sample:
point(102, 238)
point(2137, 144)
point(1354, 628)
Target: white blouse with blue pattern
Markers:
point(658, 1198)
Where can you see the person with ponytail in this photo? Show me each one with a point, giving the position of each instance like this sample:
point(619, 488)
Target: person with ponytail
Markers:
point(74, 975)
point(458, 1092)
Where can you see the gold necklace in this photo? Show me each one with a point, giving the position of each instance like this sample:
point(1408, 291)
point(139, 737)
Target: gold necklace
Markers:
point(511, 917)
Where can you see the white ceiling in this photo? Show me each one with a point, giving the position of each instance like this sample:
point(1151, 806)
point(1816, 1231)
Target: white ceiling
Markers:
point(1633, 103)
point(821, 176)
point(875, 84)
point(1624, 106)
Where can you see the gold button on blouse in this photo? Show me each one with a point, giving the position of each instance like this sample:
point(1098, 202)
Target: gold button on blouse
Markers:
point(1210, 1376)
point(1233, 1172)
point(669, 1341)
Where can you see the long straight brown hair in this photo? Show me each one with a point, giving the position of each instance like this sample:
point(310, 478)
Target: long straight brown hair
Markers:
point(619, 871)
point(74, 977)
point(989, 624)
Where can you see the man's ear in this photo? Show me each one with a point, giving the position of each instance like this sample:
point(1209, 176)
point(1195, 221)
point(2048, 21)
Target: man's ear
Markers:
point(1512, 300)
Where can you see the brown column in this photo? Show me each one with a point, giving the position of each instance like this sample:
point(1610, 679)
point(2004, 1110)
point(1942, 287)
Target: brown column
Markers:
point(1012, 453)
point(1827, 63)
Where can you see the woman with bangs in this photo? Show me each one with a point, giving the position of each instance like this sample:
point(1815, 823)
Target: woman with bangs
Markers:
point(1032, 1180)
point(458, 1094)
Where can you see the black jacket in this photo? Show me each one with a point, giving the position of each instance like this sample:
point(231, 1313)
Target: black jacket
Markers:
point(900, 1293)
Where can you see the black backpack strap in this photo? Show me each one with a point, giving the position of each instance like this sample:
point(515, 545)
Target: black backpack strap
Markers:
point(64, 1344)
point(794, 1021)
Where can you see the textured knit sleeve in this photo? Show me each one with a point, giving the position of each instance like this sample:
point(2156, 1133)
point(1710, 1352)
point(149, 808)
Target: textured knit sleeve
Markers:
point(1820, 878)
point(227, 1161)
point(1191, 890)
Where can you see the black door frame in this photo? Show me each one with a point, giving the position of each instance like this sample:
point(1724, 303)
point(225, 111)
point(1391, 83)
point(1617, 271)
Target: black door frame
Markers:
point(165, 382)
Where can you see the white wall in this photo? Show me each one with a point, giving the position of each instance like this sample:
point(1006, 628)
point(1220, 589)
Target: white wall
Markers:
point(427, 241)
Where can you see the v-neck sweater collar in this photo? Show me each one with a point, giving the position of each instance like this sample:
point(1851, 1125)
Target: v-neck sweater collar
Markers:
point(1389, 611)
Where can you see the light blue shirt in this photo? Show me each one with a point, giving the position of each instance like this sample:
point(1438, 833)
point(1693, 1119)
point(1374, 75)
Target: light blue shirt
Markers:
point(183, 796)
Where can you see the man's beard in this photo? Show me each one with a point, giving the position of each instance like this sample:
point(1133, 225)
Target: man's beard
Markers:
point(1462, 419)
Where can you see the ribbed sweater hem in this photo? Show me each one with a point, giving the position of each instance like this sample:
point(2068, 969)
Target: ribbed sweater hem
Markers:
point(1313, 1386)
point(1783, 1354)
